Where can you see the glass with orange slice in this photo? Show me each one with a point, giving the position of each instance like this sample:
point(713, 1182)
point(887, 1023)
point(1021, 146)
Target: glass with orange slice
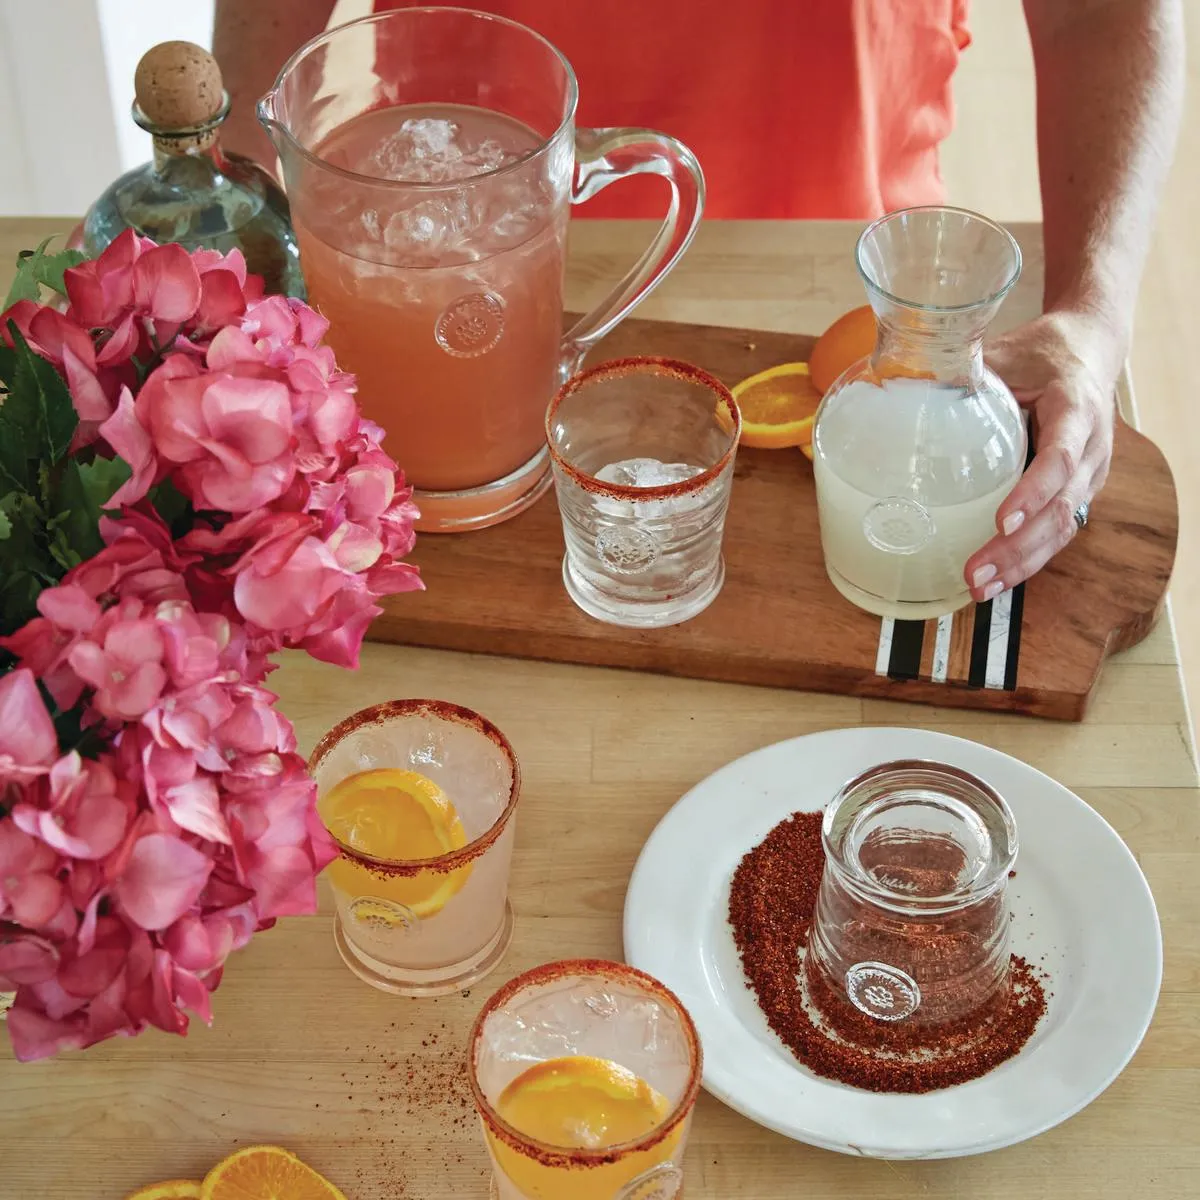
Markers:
point(585, 1074)
point(419, 796)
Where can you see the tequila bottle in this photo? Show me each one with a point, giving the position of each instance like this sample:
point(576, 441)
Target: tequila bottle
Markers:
point(192, 192)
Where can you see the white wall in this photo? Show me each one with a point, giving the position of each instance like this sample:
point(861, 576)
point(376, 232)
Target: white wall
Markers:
point(54, 99)
point(65, 130)
point(128, 28)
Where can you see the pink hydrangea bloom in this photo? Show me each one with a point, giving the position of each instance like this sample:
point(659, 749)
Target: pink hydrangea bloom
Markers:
point(260, 512)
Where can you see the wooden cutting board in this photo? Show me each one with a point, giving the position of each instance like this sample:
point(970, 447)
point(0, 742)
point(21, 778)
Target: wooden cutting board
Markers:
point(778, 620)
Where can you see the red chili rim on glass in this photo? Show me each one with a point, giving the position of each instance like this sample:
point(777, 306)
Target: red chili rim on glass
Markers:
point(442, 710)
point(563, 1157)
point(674, 368)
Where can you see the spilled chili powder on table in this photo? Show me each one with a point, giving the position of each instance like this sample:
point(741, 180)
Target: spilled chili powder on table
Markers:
point(771, 904)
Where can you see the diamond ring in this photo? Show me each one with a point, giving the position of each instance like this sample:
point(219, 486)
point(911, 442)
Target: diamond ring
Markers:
point(1081, 514)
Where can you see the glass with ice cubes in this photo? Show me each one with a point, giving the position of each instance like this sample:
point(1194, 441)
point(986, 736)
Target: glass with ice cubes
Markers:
point(643, 451)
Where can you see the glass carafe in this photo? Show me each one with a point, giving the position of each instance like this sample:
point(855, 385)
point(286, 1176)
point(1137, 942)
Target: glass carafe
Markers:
point(915, 447)
point(432, 160)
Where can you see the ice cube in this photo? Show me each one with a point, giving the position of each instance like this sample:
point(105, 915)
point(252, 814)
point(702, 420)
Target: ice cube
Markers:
point(430, 137)
point(646, 473)
point(432, 150)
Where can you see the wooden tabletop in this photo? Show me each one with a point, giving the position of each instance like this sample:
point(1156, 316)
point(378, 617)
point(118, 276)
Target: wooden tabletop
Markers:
point(302, 1054)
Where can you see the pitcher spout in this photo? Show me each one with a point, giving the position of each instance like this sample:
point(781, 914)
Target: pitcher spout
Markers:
point(268, 118)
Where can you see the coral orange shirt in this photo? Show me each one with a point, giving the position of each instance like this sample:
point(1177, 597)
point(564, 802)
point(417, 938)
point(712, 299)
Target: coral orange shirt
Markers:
point(795, 108)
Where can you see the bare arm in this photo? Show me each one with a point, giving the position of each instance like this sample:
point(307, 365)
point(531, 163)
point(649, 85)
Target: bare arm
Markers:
point(1110, 90)
point(252, 39)
point(1109, 94)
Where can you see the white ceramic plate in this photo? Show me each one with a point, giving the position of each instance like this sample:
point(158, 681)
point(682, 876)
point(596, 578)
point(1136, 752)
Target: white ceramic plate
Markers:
point(1081, 906)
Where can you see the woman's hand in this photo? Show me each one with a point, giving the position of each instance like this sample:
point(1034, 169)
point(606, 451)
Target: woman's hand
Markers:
point(1063, 367)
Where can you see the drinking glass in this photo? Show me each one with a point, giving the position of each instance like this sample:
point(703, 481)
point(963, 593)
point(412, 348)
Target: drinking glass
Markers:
point(912, 921)
point(643, 452)
point(915, 447)
point(604, 1010)
point(431, 160)
point(380, 938)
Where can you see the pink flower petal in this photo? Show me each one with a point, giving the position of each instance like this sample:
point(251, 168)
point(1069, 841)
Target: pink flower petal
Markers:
point(121, 345)
point(34, 1035)
point(26, 959)
point(88, 396)
point(69, 607)
point(191, 993)
point(28, 743)
point(57, 333)
point(195, 806)
point(86, 294)
point(138, 641)
point(221, 300)
point(130, 439)
point(162, 880)
point(166, 283)
point(89, 974)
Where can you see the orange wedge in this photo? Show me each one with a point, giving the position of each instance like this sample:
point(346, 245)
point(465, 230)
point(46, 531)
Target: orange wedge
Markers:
point(778, 407)
point(266, 1173)
point(849, 338)
point(172, 1189)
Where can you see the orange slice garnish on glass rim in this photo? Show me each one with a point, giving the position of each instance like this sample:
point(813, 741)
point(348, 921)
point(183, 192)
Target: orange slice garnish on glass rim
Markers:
point(777, 406)
point(266, 1173)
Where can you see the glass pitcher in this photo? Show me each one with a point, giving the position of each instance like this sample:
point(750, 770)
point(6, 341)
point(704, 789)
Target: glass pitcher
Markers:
point(431, 159)
point(915, 447)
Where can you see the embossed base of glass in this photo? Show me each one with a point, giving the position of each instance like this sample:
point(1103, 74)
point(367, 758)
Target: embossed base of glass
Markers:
point(428, 981)
point(602, 1010)
point(481, 507)
point(426, 927)
point(643, 451)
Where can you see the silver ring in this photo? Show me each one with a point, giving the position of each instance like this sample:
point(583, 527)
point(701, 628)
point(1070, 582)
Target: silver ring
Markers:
point(1081, 514)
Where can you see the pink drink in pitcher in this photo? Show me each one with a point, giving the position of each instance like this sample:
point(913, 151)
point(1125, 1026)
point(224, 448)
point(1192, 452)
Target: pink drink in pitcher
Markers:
point(431, 160)
point(457, 351)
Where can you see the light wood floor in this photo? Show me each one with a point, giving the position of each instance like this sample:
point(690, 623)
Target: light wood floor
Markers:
point(990, 164)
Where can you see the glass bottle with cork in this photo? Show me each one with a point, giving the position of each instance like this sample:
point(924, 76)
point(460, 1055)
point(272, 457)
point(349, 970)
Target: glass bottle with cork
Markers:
point(193, 192)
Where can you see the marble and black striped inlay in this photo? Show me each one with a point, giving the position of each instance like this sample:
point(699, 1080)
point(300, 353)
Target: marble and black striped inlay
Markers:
point(979, 646)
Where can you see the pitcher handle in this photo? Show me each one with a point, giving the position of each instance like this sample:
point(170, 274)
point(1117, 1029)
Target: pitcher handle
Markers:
point(603, 156)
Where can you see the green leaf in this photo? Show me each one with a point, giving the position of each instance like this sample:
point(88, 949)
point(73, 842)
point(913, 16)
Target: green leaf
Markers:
point(172, 505)
point(5, 526)
point(25, 561)
point(83, 491)
point(37, 269)
point(38, 407)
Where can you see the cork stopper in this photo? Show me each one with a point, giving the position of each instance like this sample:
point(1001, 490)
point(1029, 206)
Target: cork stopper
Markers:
point(178, 86)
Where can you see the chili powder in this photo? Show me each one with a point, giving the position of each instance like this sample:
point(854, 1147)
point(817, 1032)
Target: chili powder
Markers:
point(772, 899)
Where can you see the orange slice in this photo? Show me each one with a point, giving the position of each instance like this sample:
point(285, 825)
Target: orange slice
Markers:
point(580, 1101)
point(400, 815)
point(778, 407)
point(849, 338)
point(172, 1189)
point(266, 1173)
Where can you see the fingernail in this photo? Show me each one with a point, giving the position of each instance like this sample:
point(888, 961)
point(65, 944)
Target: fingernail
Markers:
point(983, 574)
point(993, 589)
point(1013, 522)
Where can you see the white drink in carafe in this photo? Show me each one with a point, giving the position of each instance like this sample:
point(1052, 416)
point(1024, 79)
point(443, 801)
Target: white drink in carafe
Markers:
point(896, 532)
